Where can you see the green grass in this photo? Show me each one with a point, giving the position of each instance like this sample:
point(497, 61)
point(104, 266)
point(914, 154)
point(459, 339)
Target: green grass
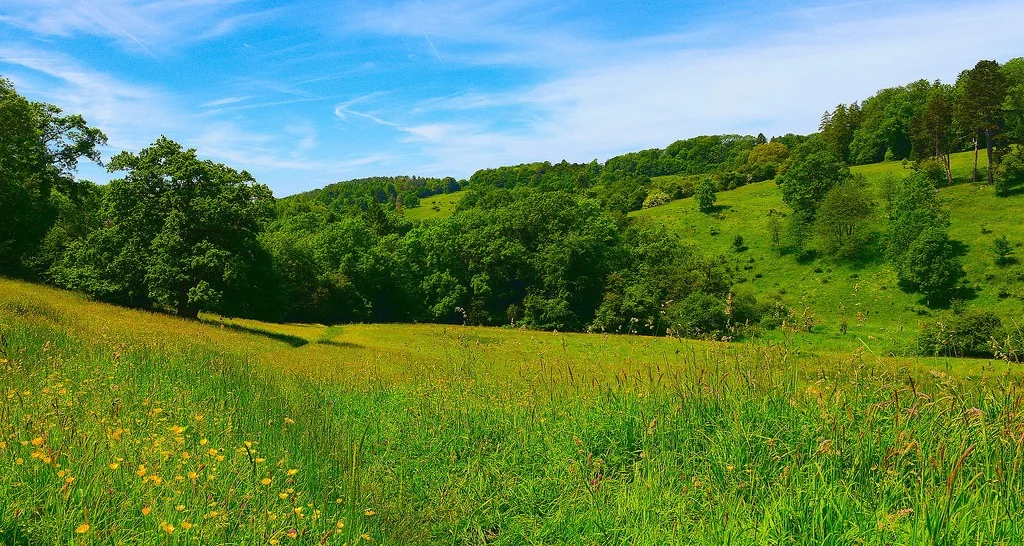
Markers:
point(865, 294)
point(445, 203)
point(422, 434)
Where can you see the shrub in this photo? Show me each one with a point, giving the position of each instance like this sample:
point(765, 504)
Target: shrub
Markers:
point(970, 332)
point(656, 198)
point(1011, 172)
point(744, 307)
point(704, 194)
point(737, 243)
point(1003, 250)
point(699, 315)
point(932, 169)
point(774, 313)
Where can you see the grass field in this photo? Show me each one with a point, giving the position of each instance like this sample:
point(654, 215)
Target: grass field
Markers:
point(127, 427)
point(864, 295)
point(445, 203)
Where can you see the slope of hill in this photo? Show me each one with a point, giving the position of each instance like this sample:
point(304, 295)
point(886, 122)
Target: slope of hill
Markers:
point(864, 295)
point(436, 206)
point(128, 427)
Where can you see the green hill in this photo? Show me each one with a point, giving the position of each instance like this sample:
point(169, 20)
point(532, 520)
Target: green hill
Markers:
point(865, 294)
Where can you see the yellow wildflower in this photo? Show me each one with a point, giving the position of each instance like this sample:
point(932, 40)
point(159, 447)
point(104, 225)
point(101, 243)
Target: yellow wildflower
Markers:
point(167, 528)
point(114, 466)
point(146, 510)
point(265, 481)
point(293, 472)
point(186, 525)
point(82, 529)
point(369, 513)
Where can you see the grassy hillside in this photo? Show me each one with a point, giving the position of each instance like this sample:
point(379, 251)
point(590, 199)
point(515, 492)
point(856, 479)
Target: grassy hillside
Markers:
point(445, 203)
point(865, 294)
point(126, 427)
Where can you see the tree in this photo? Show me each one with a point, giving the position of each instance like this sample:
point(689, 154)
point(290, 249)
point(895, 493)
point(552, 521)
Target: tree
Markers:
point(843, 218)
point(982, 91)
point(933, 126)
point(774, 226)
point(914, 207)
point(705, 195)
point(930, 264)
point(39, 152)
point(808, 179)
point(182, 232)
point(1003, 250)
point(1010, 173)
point(837, 129)
point(1013, 104)
point(764, 160)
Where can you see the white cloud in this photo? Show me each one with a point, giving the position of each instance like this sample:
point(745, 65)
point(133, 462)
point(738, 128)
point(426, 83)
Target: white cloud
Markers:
point(138, 25)
point(655, 98)
point(131, 115)
point(223, 102)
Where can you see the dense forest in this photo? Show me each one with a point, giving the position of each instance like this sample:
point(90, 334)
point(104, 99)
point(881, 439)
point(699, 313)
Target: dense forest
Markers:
point(537, 245)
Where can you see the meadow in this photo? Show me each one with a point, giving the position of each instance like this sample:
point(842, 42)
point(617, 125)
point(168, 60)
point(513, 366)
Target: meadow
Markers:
point(863, 295)
point(128, 427)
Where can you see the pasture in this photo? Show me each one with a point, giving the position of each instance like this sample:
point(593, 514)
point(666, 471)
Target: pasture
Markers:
point(127, 427)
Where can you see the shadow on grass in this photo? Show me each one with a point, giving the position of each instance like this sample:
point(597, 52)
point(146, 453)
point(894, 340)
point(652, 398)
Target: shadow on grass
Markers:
point(294, 341)
point(12, 534)
point(342, 344)
point(1012, 190)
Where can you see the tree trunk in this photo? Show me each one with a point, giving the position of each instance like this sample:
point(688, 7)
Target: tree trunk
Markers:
point(187, 311)
point(988, 149)
point(942, 156)
point(974, 177)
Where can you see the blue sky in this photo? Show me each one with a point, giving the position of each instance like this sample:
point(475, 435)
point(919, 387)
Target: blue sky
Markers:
point(302, 94)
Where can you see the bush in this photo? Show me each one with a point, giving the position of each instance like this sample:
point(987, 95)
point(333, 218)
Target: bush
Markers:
point(932, 169)
point(1003, 250)
point(774, 313)
point(970, 332)
point(737, 244)
point(699, 315)
point(1010, 173)
point(704, 194)
point(744, 307)
point(656, 198)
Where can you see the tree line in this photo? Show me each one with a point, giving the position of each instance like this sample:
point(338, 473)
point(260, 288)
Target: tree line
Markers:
point(538, 245)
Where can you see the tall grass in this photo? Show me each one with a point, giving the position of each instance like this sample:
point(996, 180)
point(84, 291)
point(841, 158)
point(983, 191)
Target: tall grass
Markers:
point(748, 447)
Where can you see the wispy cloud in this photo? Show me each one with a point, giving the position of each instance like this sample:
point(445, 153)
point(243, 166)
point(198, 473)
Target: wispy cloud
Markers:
point(223, 102)
point(654, 98)
point(130, 114)
point(139, 25)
